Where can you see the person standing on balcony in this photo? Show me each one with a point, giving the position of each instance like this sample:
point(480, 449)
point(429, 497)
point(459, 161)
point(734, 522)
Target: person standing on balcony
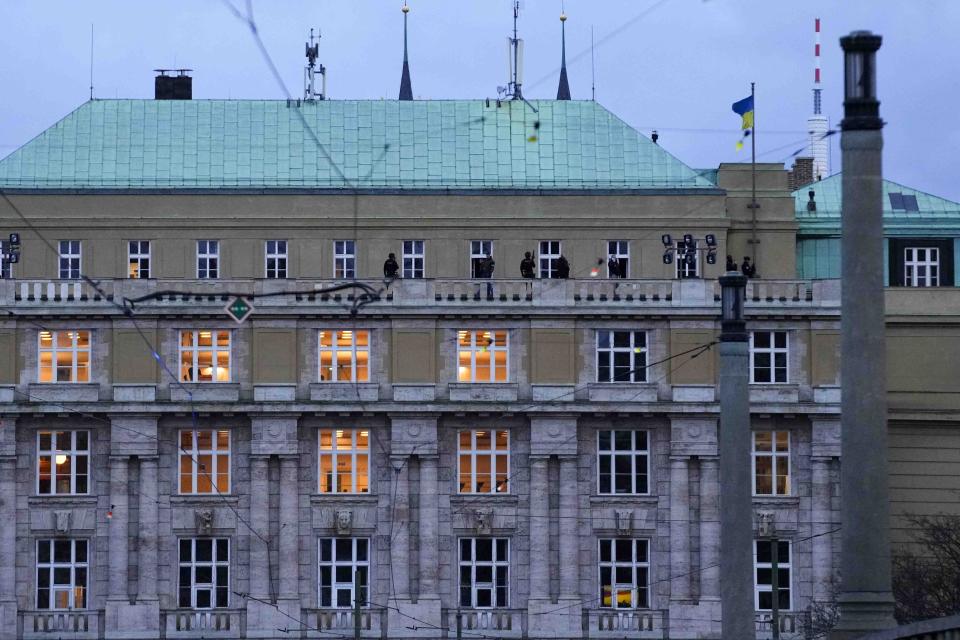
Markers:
point(527, 266)
point(613, 267)
point(485, 270)
point(748, 269)
point(731, 263)
point(563, 268)
point(390, 266)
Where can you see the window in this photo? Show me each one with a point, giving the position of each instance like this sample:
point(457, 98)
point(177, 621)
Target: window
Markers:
point(921, 267)
point(624, 573)
point(341, 559)
point(204, 461)
point(204, 573)
point(344, 461)
point(687, 260)
point(413, 258)
point(6, 270)
point(479, 249)
point(62, 574)
point(768, 357)
point(621, 356)
point(204, 356)
point(64, 356)
point(483, 356)
point(70, 259)
point(344, 356)
point(623, 462)
point(619, 250)
point(344, 259)
point(63, 462)
point(138, 259)
point(484, 572)
point(275, 255)
point(549, 258)
point(771, 463)
point(208, 259)
point(903, 201)
point(763, 579)
point(484, 461)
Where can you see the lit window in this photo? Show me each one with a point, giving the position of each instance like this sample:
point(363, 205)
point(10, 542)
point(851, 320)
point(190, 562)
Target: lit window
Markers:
point(344, 461)
point(687, 260)
point(62, 574)
point(771, 463)
point(624, 573)
point(619, 252)
point(483, 356)
point(621, 356)
point(341, 561)
point(70, 259)
point(921, 266)
point(549, 256)
point(344, 356)
point(484, 461)
point(763, 574)
point(63, 462)
point(208, 259)
point(204, 461)
point(413, 258)
point(204, 573)
point(485, 572)
point(768, 357)
point(64, 356)
point(275, 256)
point(138, 259)
point(204, 356)
point(344, 259)
point(623, 462)
point(479, 249)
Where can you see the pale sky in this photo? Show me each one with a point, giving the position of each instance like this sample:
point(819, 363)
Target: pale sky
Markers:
point(671, 65)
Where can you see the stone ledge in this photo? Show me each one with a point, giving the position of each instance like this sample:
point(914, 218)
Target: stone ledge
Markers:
point(414, 392)
point(344, 392)
point(827, 395)
point(483, 392)
point(553, 392)
point(7, 393)
point(694, 393)
point(622, 392)
point(64, 392)
point(780, 393)
point(205, 392)
point(274, 393)
point(134, 393)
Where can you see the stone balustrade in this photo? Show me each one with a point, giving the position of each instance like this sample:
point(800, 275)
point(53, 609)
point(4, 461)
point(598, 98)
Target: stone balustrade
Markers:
point(320, 622)
point(74, 624)
point(507, 623)
point(635, 623)
point(791, 625)
point(212, 623)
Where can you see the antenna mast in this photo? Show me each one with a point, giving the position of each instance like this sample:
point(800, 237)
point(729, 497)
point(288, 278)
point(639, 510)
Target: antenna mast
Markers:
point(312, 69)
point(514, 61)
point(593, 70)
point(91, 61)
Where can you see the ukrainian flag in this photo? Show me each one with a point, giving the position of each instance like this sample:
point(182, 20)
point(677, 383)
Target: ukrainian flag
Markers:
point(744, 108)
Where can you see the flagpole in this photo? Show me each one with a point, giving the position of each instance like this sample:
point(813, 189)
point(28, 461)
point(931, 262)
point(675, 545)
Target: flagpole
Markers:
point(753, 172)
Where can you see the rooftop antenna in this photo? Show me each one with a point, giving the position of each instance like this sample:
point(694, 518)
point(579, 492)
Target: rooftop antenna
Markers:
point(514, 61)
point(818, 124)
point(593, 70)
point(310, 72)
point(91, 61)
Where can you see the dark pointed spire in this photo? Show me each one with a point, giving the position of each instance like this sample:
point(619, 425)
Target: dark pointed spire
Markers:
point(563, 91)
point(406, 89)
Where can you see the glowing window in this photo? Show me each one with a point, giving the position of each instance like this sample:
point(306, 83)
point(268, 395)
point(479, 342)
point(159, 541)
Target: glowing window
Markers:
point(63, 462)
point(204, 355)
point(771, 463)
point(344, 461)
point(344, 356)
point(484, 461)
point(64, 356)
point(204, 461)
point(483, 356)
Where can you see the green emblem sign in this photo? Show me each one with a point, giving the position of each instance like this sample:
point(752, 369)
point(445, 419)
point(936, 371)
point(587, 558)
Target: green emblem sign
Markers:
point(239, 309)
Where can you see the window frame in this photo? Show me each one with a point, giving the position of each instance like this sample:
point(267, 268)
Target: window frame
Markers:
point(931, 267)
point(493, 454)
point(354, 453)
point(75, 350)
point(772, 351)
point(548, 261)
point(210, 252)
point(65, 252)
point(495, 563)
point(475, 348)
point(632, 454)
point(682, 270)
point(194, 453)
point(214, 564)
point(334, 349)
point(758, 566)
point(138, 257)
point(73, 454)
point(634, 565)
point(281, 259)
point(775, 455)
point(354, 564)
point(344, 259)
point(631, 350)
point(52, 565)
point(414, 257)
point(215, 350)
point(619, 249)
point(479, 249)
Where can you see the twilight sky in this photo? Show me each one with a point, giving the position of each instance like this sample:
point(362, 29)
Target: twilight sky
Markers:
point(671, 65)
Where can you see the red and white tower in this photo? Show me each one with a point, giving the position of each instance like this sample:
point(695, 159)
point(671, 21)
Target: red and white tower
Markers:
point(818, 125)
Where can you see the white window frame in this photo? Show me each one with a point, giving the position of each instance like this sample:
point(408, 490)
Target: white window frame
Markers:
point(275, 259)
point(476, 346)
point(208, 259)
point(214, 453)
point(637, 353)
point(137, 255)
point(639, 598)
point(548, 258)
point(929, 264)
point(768, 587)
point(70, 259)
point(73, 565)
point(413, 259)
point(217, 352)
point(777, 457)
point(493, 455)
point(495, 563)
point(74, 350)
point(619, 249)
point(344, 259)
point(479, 249)
point(636, 453)
point(352, 455)
point(354, 564)
point(215, 563)
point(683, 270)
point(73, 453)
point(334, 350)
point(773, 351)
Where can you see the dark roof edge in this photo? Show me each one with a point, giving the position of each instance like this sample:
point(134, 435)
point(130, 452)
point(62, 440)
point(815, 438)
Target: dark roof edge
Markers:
point(220, 191)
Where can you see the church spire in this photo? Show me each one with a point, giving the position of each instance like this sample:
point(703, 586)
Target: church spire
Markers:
point(563, 90)
point(406, 89)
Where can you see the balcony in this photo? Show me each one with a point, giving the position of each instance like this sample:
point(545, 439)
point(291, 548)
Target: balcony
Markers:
point(791, 624)
point(320, 623)
point(498, 623)
point(74, 624)
point(211, 623)
point(633, 623)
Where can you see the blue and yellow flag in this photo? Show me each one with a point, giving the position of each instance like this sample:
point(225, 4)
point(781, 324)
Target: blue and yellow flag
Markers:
point(744, 108)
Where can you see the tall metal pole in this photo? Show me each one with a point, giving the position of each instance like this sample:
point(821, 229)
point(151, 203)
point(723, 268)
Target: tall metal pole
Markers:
point(356, 604)
point(736, 509)
point(775, 585)
point(866, 601)
point(753, 175)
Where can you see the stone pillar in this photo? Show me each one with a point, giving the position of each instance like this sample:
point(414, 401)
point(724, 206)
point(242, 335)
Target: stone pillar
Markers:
point(569, 533)
point(539, 529)
point(149, 531)
point(289, 529)
point(119, 528)
point(679, 528)
point(400, 542)
point(259, 521)
point(709, 529)
point(429, 529)
point(8, 532)
point(821, 515)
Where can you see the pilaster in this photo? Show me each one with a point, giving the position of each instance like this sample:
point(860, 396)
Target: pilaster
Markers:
point(8, 532)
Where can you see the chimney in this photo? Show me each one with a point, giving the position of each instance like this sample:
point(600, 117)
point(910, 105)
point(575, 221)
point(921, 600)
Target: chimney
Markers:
point(170, 87)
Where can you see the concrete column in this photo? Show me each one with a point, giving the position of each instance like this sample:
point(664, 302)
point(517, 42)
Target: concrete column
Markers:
point(149, 531)
point(539, 529)
point(821, 515)
point(709, 529)
point(259, 521)
point(8, 543)
point(289, 528)
point(569, 534)
point(429, 529)
point(400, 542)
point(679, 528)
point(119, 528)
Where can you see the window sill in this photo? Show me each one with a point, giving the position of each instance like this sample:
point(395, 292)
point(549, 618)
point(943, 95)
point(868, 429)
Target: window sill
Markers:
point(205, 392)
point(344, 392)
point(774, 392)
point(623, 392)
point(475, 498)
point(327, 498)
point(600, 499)
point(79, 499)
point(64, 392)
point(483, 391)
point(778, 501)
point(186, 500)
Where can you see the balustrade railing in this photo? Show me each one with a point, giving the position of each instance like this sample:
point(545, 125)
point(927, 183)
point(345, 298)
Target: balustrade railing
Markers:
point(212, 623)
point(320, 623)
point(501, 623)
point(633, 623)
point(74, 624)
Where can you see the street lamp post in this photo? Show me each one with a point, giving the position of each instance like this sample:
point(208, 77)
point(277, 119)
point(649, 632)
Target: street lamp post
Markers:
point(736, 512)
point(866, 600)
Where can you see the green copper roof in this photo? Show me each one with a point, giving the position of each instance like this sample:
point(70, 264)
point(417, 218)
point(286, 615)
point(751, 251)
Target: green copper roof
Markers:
point(388, 144)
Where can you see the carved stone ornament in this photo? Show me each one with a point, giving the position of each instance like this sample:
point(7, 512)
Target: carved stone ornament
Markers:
point(483, 521)
point(624, 520)
point(204, 521)
point(61, 521)
point(765, 524)
point(344, 521)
